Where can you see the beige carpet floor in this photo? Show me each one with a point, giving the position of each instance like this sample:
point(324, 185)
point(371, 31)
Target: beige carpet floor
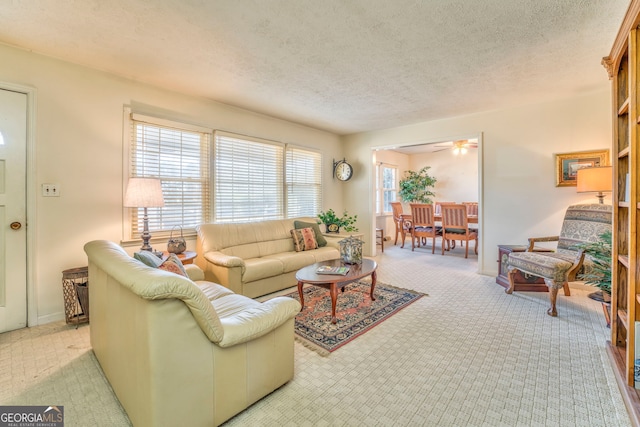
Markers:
point(466, 355)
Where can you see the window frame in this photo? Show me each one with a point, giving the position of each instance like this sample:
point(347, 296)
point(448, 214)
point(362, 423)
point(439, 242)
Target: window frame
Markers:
point(129, 233)
point(381, 190)
point(285, 195)
point(129, 236)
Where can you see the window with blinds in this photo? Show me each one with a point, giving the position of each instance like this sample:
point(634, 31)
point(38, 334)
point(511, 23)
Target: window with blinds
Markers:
point(248, 179)
point(180, 158)
point(304, 182)
point(256, 179)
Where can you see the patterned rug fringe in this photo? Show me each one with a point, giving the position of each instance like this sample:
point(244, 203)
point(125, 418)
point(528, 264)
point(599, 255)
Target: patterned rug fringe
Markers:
point(311, 346)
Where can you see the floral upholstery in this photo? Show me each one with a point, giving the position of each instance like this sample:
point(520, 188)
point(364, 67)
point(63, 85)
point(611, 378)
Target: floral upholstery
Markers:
point(551, 265)
point(582, 224)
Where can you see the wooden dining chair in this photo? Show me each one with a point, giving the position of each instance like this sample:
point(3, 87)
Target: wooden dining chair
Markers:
point(472, 208)
point(423, 224)
point(456, 227)
point(402, 226)
point(438, 207)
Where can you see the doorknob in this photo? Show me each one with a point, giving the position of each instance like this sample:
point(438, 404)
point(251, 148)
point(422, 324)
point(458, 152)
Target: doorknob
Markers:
point(16, 225)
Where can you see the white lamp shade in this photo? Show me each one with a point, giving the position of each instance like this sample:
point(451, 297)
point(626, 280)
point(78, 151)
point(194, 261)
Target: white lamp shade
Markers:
point(594, 179)
point(143, 193)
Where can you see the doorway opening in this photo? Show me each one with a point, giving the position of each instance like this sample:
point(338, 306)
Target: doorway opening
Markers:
point(454, 162)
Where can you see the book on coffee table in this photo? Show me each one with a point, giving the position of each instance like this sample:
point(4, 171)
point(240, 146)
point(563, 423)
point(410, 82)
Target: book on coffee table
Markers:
point(328, 269)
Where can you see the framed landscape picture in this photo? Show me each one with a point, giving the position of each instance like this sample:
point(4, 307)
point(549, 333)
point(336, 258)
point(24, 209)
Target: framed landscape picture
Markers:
point(567, 165)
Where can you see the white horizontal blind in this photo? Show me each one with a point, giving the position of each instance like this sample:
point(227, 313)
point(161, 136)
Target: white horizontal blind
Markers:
point(248, 179)
point(303, 182)
point(180, 158)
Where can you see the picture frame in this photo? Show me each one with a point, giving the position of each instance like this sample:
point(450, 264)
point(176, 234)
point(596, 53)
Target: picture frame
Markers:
point(567, 165)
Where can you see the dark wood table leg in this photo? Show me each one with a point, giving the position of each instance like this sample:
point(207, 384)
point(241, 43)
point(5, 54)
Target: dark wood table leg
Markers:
point(374, 278)
point(301, 295)
point(333, 290)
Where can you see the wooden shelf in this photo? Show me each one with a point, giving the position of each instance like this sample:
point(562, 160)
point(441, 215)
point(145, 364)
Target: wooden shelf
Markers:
point(622, 65)
point(624, 260)
point(623, 153)
point(629, 394)
point(622, 315)
point(624, 108)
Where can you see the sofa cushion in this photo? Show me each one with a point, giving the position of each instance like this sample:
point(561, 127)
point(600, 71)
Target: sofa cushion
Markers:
point(325, 254)
point(148, 258)
point(294, 261)
point(213, 291)
point(173, 265)
point(322, 242)
point(548, 265)
point(304, 239)
point(259, 268)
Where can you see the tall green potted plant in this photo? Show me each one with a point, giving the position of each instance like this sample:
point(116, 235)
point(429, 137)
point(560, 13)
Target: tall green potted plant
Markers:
point(416, 187)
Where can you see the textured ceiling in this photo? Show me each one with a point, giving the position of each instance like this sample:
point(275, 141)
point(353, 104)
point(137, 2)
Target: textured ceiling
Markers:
point(341, 65)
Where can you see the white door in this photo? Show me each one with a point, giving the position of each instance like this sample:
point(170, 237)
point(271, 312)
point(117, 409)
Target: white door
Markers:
point(13, 234)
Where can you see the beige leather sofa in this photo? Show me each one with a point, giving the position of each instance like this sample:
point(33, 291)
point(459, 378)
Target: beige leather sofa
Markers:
point(256, 258)
point(178, 352)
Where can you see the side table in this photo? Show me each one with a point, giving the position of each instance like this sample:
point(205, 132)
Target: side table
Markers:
point(523, 281)
point(185, 257)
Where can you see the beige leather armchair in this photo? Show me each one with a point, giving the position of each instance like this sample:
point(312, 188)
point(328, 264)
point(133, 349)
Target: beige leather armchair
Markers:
point(179, 352)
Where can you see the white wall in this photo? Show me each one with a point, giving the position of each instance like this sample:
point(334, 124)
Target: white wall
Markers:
point(518, 196)
point(79, 128)
point(457, 175)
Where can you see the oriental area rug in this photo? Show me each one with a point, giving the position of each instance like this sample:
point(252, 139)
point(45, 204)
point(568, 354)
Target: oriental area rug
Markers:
point(355, 313)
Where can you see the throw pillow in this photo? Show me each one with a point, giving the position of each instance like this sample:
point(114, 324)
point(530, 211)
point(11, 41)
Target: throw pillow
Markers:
point(148, 258)
point(316, 229)
point(304, 239)
point(173, 265)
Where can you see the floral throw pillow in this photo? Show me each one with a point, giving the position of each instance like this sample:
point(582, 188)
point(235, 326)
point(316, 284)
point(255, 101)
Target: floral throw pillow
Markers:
point(304, 239)
point(173, 265)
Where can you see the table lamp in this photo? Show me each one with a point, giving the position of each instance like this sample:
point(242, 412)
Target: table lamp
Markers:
point(597, 179)
point(144, 193)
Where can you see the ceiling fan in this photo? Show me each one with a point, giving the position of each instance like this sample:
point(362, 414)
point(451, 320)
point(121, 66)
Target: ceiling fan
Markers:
point(460, 146)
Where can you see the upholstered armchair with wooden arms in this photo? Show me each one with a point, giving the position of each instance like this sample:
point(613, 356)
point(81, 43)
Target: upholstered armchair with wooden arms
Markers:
point(582, 224)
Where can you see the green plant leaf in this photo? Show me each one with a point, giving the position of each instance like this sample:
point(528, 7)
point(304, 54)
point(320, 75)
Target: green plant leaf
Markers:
point(415, 187)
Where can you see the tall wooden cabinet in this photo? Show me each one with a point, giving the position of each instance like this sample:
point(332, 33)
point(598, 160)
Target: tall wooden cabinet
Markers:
point(623, 65)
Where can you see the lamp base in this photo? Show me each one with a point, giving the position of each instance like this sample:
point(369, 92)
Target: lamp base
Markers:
point(145, 236)
point(600, 197)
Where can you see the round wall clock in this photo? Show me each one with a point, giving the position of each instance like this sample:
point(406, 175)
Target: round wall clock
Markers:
point(343, 170)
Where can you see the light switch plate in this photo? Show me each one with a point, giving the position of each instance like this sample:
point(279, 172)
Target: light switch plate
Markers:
point(50, 190)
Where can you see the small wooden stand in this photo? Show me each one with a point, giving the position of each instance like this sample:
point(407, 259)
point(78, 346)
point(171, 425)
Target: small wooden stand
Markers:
point(524, 282)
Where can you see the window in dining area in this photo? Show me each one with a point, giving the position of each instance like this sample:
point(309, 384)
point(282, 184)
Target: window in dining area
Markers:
point(386, 188)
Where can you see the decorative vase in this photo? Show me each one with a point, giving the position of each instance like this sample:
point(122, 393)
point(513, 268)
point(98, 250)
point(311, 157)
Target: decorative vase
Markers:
point(351, 250)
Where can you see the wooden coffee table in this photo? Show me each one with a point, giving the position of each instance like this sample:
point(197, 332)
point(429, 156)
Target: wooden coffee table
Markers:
point(334, 281)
